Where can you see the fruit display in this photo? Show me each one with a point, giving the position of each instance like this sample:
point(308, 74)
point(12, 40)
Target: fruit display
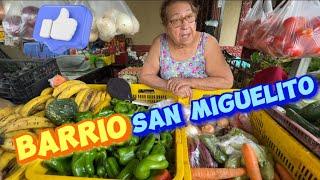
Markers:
point(74, 101)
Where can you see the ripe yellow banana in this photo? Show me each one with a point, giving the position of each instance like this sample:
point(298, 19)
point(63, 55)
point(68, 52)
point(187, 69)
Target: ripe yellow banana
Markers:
point(85, 104)
point(101, 105)
point(5, 158)
point(28, 123)
point(7, 145)
point(40, 114)
point(108, 96)
point(47, 91)
point(33, 104)
point(72, 90)
point(80, 96)
point(9, 119)
point(48, 102)
point(64, 85)
point(18, 108)
point(103, 95)
point(14, 133)
point(96, 100)
point(18, 173)
point(6, 111)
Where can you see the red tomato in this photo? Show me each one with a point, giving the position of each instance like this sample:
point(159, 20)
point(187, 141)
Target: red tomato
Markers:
point(293, 50)
point(315, 22)
point(305, 32)
point(294, 24)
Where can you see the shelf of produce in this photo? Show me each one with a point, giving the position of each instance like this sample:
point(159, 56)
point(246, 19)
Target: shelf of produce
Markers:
point(36, 170)
point(298, 160)
point(304, 136)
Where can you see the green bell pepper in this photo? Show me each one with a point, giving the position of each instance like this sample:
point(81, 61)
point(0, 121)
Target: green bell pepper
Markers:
point(83, 116)
point(132, 107)
point(112, 167)
point(104, 113)
point(125, 154)
point(100, 162)
point(122, 107)
point(146, 146)
point(114, 101)
point(166, 139)
point(141, 109)
point(83, 163)
point(151, 162)
point(61, 165)
point(134, 140)
point(158, 149)
point(127, 172)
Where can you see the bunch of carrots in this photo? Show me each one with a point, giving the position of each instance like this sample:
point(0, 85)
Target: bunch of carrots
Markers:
point(251, 170)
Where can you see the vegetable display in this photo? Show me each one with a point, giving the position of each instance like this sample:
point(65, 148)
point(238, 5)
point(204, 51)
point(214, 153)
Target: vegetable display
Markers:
point(228, 152)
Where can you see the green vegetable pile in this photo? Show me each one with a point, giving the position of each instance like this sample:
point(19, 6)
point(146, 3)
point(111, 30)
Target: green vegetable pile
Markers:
point(135, 159)
point(138, 158)
point(226, 150)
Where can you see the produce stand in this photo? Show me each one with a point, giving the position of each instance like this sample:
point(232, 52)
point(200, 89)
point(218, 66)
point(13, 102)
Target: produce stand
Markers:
point(37, 106)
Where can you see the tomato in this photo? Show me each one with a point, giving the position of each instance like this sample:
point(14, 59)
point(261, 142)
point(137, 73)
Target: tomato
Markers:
point(294, 24)
point(305, 32)
point(315, 22)
point(294, 50)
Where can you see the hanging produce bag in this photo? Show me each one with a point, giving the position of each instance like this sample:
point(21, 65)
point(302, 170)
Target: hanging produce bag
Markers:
point(253, 19)
point(291, 31)
point(112, 18)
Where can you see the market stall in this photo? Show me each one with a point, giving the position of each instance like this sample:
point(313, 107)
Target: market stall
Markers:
point(45, 92)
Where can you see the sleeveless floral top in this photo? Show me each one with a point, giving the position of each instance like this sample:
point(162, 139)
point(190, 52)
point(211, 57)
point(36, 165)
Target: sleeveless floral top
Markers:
point(190, 68)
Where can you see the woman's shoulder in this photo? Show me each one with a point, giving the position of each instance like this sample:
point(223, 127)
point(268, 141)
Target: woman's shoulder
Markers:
point(209, 37)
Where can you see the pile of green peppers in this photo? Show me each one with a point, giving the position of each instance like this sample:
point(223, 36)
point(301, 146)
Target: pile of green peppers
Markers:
point(117, 106)
point(138, 158)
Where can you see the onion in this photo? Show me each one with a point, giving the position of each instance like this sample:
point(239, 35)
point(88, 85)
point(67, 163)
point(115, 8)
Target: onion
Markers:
point(124, 24)
point(106, 28)
point(192, 131)
point(93, 36)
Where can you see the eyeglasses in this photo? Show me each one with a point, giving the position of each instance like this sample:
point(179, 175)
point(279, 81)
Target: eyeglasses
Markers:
point(178, 22)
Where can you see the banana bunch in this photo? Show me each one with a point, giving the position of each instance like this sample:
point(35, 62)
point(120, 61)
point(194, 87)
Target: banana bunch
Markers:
point(93, 100)
point(9, 167)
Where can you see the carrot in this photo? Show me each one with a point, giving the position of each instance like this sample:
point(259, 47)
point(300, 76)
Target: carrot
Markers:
point(251, 161)
point(283, 173)
point(163, 175)
point(276, 176)
point(217, 173)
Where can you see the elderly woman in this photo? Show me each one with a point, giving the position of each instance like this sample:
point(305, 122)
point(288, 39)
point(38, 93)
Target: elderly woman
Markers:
point(183, 57)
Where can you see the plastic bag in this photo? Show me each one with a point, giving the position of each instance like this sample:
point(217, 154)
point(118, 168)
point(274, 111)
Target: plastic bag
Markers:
point(112, 18)
point(291, 31)
point(12, 22)
point(253, 19)
point(21, 16)
point(199, 155)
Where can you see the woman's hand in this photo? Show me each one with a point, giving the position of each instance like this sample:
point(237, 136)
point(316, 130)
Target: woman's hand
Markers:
point(175, 84)
point(183, 92)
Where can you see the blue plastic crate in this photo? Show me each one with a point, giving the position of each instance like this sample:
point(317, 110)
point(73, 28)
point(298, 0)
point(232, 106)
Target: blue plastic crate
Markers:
point(39, 51)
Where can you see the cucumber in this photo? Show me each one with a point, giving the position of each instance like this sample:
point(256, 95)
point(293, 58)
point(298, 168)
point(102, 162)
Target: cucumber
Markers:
point(303, 122)
point(294, 107)
point(311, 112)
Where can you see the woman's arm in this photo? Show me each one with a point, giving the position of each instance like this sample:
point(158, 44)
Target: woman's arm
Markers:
point(151, 68)
point(217, 69)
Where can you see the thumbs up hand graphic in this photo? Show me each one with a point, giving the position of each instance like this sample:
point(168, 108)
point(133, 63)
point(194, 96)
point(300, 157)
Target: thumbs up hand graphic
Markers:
point(63, 28)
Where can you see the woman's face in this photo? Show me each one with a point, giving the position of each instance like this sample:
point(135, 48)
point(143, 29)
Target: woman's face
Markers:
point(181, 25)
